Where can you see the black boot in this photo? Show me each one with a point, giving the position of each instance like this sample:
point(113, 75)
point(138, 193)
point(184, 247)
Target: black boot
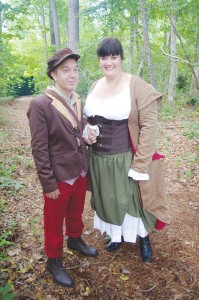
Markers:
point(60, 276)
point(111, 246)
point(79, 245)
point(145, 249)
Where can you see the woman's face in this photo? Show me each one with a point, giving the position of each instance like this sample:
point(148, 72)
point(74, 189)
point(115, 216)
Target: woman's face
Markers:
point(111, 65)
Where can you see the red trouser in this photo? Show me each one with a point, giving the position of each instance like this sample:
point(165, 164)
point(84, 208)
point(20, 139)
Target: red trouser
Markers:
point(69, 207)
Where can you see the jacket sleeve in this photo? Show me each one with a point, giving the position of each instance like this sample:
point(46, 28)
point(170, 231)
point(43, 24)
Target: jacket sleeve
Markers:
point(147, 99)
point(40, 146)
point(147, 118)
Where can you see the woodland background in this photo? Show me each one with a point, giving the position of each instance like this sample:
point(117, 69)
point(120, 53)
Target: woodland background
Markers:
point(160, 39)
point(161, 42)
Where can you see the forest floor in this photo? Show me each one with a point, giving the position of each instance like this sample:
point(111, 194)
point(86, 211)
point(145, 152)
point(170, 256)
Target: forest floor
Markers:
point(174, 270)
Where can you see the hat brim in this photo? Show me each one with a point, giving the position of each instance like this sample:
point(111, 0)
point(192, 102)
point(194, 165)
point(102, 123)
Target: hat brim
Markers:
point(72, 55)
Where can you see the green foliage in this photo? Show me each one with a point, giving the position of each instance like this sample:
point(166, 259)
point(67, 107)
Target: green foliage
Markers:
point(2, 117)
point(2, 205)
point(24, 50)
point(110, 22)
point(192, 131)
point(4, 100)
point(85, 82)
point(6, 239)
point(167, 112)
point(3, 239)
point(8, 77)
point(188, 158)
point(10, 183)
point(6, 180)
point(7, 170)
point(6, 292)
point(193, 101)
point(182, 81)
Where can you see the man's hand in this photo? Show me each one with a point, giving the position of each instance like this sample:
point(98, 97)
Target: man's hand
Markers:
point(53, 195)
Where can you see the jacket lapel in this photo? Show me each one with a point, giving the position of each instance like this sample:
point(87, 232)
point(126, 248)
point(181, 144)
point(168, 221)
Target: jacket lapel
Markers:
point(65, 109)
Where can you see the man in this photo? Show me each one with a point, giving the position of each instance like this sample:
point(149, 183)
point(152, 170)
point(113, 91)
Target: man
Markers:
point(59, 152)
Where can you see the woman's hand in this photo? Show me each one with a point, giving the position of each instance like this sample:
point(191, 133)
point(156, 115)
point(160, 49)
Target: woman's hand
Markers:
point(90, 134)
point(53, 195)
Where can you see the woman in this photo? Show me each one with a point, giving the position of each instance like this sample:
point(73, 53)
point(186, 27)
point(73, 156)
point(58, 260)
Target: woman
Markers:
point(128, 191)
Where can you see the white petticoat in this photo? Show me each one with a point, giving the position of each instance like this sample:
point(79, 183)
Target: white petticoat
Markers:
point(130, 228)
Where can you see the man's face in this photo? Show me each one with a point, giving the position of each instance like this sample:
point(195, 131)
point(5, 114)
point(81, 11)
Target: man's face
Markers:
point(66, 76)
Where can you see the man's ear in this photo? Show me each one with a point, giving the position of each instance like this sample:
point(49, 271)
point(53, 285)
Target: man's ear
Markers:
point(54, 75)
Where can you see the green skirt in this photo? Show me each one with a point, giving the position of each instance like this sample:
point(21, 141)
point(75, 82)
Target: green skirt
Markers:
point(114, 193)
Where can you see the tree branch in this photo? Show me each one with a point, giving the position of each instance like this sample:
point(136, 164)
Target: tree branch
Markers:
point(187, 62)
point(176, 57)
point(179, 37)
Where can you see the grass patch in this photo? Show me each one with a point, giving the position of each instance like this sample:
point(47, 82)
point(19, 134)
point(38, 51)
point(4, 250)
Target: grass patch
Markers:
point(188, 157)
point(191, 158)
point(6, 240)
point(187, 162)
point(2, 205)
point(193, 101)
point(6, 180)
point(2, 117)
point(167, 111)
point(183, 106)
point(192, 131)
point(4, 100)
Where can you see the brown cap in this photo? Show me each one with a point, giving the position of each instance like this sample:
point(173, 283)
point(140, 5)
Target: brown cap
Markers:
point(58, 57)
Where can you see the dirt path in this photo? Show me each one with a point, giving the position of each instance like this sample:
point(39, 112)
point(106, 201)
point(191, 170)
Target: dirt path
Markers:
point(174, 271)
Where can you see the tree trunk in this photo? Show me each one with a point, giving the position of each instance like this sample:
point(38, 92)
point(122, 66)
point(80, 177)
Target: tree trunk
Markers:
point(140, 70)
point(137, 44)
point(174, 62)
point(44, 30)
point(52, 33)
point(195, 81)
point(146, 42)
point(166, 82)
point(73, 25)
point(1, 32)
point(55, 24)
point(131, 47)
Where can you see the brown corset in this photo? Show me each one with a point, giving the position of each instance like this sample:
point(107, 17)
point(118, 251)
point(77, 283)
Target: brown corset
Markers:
point(113, 136)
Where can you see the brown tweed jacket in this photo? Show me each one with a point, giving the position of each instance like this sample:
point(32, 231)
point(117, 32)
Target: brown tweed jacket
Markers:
point(143, 130)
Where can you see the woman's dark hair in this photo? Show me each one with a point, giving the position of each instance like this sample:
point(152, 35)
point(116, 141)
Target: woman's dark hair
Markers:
point(110, 46)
